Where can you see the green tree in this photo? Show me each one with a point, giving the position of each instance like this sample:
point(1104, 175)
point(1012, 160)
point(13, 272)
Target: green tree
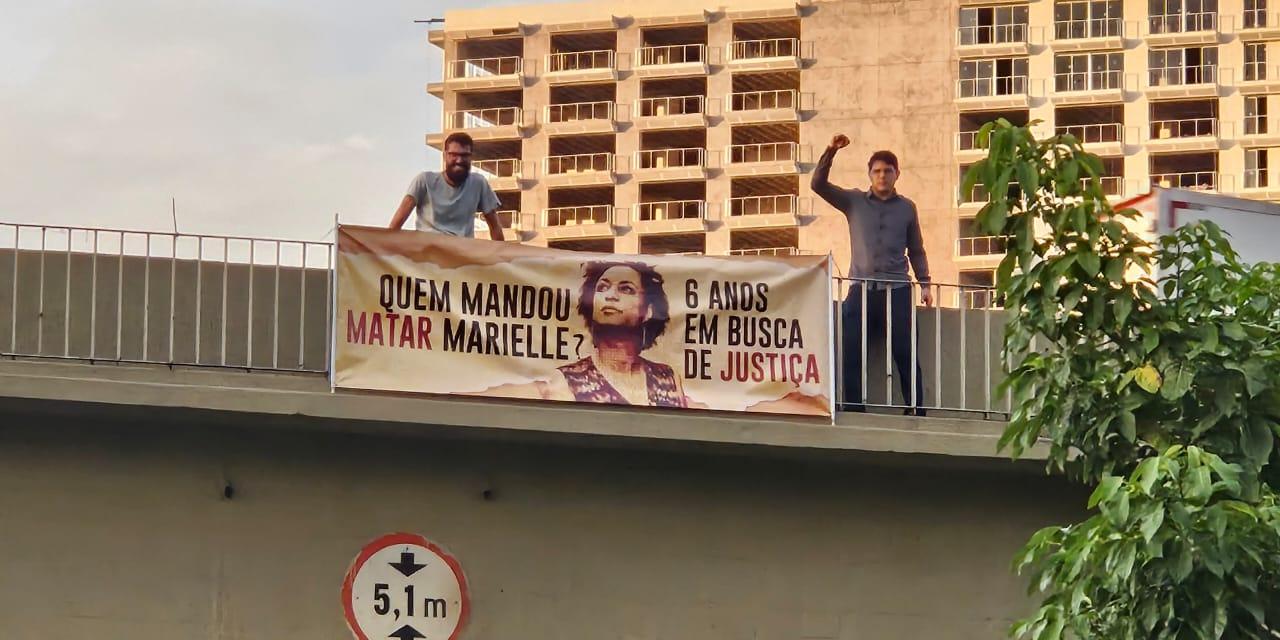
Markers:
point(1150, 369)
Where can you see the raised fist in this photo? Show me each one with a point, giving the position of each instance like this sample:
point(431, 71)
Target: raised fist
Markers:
point(839, 141)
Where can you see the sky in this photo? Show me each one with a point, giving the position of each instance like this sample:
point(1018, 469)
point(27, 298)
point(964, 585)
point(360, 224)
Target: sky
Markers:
point(259, 118)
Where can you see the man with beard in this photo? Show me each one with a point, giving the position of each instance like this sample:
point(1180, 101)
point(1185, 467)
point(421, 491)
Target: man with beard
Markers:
point(447, 202)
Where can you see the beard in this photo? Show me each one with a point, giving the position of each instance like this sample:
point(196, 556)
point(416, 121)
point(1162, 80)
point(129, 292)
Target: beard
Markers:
point(457, 173)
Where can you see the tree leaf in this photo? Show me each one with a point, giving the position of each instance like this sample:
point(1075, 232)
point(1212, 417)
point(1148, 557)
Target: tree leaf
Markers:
point(1090, 262)
point(1177, 381)
point(1106, 488)
point(1148, 378)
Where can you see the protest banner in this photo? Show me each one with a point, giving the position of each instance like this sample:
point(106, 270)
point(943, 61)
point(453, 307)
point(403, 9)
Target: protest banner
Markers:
point(430, 313)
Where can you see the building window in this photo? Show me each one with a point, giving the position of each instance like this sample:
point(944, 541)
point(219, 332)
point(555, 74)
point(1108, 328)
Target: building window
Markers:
point(1255, 14)
point(1190, 65)
point(977, 290)
point(1255, 115)
point(1089, 71)
point(971, 240)
point(998, 77)
point(1088, 19)
point(1255, 61)
point(991, 25)
point(1255, 168)
point(1181, 16)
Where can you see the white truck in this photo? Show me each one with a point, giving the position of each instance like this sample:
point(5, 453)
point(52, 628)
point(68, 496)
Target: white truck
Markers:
point(1253, 226)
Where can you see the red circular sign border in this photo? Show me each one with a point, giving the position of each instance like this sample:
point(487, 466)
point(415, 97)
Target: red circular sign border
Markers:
point(391, 540)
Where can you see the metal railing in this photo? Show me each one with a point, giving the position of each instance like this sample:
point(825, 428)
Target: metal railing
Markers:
point(82, 293)
point(981, 246)
point(672, 210)
point(766, 251)
point(509, 219)
point(671, 158)
point(991, 87)
point(967, 141)
point(770, 48)
point(577, 111)
point(991, 34)
point(1188, 22)
point(501, 168)
point(570, 216)
point(264, 304)
point(1089, 81)
point(1183, 128)
point(763, 152)
point(483, 118)
point(1260, 72)
point(484, 67)
point(1088, 28)
point(1258, 19)
point(760, 100)
point(895, 353)
point(669, 106)
point(580, 60)
point(1110, 185)
point(1182, 75)
point(761, 205)
point(1093, 133)
point(1193, 180)
point(672, 54)
point(1256, 179)
point(579, 163)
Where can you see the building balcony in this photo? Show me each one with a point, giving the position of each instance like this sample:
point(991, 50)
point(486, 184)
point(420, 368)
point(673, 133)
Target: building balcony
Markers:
point(1106, 139)
point(673, 216)
point(967, 149)
point(499, 123)
point(665, 165)
point(579, 170)
point(1112, 186)
point(1259, 79)
point(588, 221)
point(972, 200)
point(672, 61)
point(505, 72)
point(1091, 87)
point(435, 90)
point(1191, 180)
point(765, 55)
point(762, 212)
point(768, 251)
point(1182, 29)
point(769, 158)
point(981, 246)
point(1258, 185)
point(981, 94)
point(755, 107)
point(679, 112)
point(1092, 35)
point(1259, 131)
point(509, 220)
point(504, 174)
point(1183, 82)
point(582, 66)
point(579, 118)
point(1185, 134)
point(1257, 26)
point(1002, 40)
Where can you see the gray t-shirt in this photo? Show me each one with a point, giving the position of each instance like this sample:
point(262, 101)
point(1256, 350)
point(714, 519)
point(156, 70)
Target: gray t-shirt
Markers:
point(445, 209)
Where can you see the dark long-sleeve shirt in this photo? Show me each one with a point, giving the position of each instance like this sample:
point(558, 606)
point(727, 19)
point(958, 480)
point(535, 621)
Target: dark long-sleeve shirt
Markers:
point(883, 234)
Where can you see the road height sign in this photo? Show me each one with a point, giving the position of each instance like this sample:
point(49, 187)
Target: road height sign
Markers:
point(405, 587)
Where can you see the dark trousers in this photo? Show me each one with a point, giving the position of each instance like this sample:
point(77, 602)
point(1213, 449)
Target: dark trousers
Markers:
point(900, 303)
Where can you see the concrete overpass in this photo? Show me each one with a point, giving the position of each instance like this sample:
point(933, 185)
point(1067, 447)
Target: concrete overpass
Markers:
point(155, 499)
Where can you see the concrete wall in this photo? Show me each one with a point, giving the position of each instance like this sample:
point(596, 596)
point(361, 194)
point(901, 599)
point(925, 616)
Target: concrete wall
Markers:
point(115, 530)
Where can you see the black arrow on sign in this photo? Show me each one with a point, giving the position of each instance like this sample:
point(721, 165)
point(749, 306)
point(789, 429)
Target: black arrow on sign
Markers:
point(407, 565)
point(406, 633)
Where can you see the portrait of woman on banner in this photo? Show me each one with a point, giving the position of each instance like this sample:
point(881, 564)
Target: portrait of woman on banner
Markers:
point(625, 310)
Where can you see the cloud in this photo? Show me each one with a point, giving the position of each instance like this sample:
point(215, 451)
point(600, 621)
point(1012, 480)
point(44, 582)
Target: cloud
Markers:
point(260, 118)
